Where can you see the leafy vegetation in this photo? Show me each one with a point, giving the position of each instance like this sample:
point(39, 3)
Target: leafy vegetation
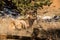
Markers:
point(23, 6)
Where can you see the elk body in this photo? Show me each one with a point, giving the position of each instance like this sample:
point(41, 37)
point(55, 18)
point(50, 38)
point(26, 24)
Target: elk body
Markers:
point(19, 24)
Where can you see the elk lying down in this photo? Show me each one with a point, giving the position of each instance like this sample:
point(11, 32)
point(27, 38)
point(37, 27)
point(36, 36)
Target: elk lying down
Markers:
point(20, 24)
